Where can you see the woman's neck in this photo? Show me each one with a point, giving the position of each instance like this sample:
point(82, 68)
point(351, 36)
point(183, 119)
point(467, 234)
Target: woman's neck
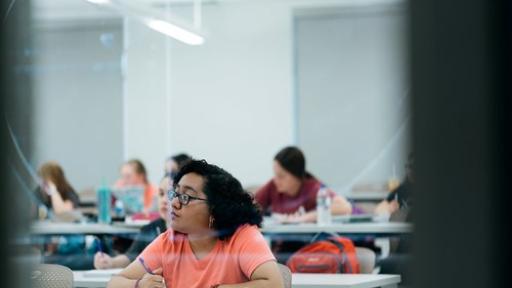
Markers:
point(202, 243)
point(296, 189)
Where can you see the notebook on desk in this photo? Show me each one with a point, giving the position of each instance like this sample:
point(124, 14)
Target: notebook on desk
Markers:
point(105, 273)
point(353, 218)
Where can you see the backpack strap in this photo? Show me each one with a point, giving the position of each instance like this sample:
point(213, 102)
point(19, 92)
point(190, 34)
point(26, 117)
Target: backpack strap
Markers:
point(343, 256)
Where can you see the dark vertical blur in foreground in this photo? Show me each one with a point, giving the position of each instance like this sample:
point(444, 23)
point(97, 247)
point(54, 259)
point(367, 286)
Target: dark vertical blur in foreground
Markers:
point(460, 77)
point(15, 111)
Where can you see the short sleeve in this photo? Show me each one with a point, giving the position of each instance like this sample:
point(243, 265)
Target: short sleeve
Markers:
point(152, 255)
point(262, 196)
point(254, 250)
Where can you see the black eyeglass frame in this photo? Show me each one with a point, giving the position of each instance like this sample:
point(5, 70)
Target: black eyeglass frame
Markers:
point(183, 198)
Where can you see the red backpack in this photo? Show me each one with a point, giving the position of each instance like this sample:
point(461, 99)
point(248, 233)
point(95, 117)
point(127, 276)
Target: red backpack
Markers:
point(333, 255)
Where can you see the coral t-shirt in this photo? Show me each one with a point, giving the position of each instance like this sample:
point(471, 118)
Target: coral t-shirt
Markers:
point(231, 261)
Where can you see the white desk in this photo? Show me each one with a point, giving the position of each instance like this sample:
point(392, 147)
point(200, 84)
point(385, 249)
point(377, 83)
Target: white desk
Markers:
point(132, 223)
point(372, 228)
point(298, 280)
point(53, 228)
point(80, 279)
point(344, 280)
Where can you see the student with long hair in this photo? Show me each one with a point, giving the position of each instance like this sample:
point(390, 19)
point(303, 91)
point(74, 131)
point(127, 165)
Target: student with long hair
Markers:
point(292, 192)
point(55, 192)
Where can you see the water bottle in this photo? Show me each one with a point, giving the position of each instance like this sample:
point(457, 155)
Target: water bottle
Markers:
point(103, 197)
point(323, 207)
point(119, 208)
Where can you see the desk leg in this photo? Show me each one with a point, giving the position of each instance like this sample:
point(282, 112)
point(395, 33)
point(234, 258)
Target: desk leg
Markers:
point(384, 245)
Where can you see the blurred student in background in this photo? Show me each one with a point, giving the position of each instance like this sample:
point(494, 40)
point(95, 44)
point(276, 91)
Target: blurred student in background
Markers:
point(174, 163)
point(61, 201)
point(291, 194)
point(400, 199)
point(133, 173)
point(147, 234)
point(55, 192)
point(398, 207)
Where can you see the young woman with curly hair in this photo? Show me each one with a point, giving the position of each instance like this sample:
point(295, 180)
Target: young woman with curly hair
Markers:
point(213, 239)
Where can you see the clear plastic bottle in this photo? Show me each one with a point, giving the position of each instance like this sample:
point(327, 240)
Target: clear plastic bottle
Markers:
point(104, 203)
point(323, 207)
point(119, 208)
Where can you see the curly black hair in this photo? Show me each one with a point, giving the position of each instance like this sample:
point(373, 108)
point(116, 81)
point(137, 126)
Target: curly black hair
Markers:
point(229, 204)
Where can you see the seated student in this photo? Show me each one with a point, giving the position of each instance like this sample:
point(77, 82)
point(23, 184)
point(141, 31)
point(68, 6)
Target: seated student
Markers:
point(293, 187)
point(60, 199)
point(55, 191)
point(147, 234)
point(133, 173)
point(398, 206)
point(174, 163)
point(400, 199)
point(213, 240)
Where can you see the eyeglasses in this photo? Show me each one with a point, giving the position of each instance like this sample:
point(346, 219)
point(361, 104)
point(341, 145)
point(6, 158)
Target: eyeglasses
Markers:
point(184, 199)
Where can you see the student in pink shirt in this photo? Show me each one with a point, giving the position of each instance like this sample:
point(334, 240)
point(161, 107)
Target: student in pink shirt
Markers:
point(213, 239)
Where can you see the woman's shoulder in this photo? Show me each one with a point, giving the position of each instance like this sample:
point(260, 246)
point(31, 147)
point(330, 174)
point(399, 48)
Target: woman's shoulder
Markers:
point(269, 186)
point(245, 232)
point(311, 183)
point(169, 240)
point(151, 187)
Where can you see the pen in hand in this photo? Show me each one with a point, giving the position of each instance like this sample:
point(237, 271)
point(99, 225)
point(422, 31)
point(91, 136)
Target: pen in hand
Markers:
point(145, 267)
point(141, 260)
point(99, 246)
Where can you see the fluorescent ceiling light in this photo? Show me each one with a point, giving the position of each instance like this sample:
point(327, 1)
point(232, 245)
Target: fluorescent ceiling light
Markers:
point(99, 1)
point(175, 32)
point(153, 21)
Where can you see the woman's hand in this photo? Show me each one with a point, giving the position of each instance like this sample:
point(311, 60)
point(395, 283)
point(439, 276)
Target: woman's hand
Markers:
point(102, 261)
point(300, 216)
point(154, 280)
point(50, 188)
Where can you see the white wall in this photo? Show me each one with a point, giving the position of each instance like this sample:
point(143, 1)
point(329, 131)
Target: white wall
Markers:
point(145, 105)
point(230, 101)
point(77, 117)
point(352, 93)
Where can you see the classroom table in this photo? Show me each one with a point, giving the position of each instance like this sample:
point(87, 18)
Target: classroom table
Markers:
point(344, 280)
point(361, 228)
point(55, 228)
point(368, 228)
point(84, 279)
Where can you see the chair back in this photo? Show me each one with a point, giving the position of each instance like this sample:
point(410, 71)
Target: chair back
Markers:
point(52, 276)
point(286, 274)
point(366, 258)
